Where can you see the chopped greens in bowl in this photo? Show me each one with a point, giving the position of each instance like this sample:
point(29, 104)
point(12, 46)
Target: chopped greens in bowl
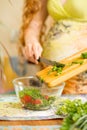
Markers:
point(33, 99)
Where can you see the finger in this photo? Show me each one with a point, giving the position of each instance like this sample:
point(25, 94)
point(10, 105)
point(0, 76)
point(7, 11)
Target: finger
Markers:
point(29, 57)
point(33, 54)
point(39, 51)
point(33, 60)
point(29, 50)
point(35, 50)
point(27, 54)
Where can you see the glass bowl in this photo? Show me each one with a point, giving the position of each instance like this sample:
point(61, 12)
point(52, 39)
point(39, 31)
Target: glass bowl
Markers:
point(34, 94)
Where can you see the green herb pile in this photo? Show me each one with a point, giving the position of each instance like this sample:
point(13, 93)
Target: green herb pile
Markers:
point(56, 69)
point(74, 111)
point(33, 99)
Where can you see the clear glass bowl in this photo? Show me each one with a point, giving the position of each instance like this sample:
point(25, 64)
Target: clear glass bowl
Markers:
point(34, 94)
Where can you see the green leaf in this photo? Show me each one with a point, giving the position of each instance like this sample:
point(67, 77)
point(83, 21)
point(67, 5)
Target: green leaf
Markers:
point(84, 55)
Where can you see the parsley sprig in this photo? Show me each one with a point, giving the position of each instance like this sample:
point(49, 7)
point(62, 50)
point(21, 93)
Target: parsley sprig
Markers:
point(73, 110)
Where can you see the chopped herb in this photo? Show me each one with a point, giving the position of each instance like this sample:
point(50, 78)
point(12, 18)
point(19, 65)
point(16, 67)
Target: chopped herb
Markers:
point(56, 69)
point(59, 71)
point(58, 64)
point(77, 62)
point(84, 55)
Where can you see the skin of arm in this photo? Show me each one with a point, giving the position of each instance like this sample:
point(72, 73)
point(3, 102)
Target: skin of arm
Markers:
point(32, 50)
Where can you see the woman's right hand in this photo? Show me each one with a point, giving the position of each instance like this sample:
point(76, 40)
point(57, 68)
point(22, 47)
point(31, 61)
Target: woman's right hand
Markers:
point(32, 50)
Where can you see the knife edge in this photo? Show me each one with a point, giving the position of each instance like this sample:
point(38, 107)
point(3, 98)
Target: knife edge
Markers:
point(50, 62)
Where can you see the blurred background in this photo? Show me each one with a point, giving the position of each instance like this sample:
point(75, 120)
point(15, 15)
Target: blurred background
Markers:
point(11, 66)
point(10, 21)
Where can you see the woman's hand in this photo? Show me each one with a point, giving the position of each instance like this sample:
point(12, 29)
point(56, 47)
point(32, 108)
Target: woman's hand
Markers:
point(32, 50)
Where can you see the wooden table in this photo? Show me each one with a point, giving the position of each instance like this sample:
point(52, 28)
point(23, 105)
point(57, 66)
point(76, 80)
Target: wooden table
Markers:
point(32, 123)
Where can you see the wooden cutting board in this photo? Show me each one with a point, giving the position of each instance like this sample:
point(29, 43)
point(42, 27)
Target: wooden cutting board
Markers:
point(71, 69)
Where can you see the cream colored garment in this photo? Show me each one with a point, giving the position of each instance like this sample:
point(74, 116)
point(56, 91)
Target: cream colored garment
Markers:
point(46, 28)
point(63, 38)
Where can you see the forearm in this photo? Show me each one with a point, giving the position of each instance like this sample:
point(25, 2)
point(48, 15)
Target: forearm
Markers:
point(37, 21)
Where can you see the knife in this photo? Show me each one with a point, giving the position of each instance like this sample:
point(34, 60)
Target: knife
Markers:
point(50, 62)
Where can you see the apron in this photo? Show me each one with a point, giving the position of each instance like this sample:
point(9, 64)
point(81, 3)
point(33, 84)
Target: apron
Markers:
point(64, 34)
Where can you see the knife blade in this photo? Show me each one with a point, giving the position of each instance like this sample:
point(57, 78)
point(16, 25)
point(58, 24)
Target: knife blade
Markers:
point(50, 62)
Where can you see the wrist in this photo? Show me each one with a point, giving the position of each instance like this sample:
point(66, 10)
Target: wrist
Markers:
point(31, 38)
point(33, 31)
point(35, 27)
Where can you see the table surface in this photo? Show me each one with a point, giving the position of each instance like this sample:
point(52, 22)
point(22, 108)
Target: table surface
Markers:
point(34, 122)
point(28, 122)
point(38, 122)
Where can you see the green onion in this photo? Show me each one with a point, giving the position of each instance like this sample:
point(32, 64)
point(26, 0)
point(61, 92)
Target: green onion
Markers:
point(74, 110)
